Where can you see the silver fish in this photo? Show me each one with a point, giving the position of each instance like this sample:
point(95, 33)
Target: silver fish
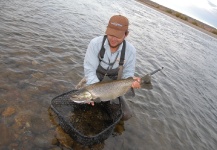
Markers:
point(108, 90)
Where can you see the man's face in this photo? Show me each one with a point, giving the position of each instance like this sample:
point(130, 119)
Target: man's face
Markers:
point(114, 42)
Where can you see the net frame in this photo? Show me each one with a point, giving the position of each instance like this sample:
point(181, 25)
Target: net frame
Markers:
point(63, 100)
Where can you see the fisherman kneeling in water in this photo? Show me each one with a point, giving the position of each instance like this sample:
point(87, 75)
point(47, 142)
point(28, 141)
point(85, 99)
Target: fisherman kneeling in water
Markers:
point(112, 57)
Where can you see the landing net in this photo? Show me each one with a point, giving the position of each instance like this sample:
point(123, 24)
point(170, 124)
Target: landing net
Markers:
point(84, 123)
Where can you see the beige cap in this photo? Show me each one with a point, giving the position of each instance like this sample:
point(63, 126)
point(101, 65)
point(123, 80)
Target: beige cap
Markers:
point(117, 26)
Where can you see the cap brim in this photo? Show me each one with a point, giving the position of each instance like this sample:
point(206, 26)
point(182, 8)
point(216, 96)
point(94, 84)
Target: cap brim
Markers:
point(116, 33)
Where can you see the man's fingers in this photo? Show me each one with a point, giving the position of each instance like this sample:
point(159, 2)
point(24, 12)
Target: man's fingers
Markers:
point(92, 103)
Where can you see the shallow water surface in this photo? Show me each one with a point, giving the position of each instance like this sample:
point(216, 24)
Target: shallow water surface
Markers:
point(42, 46)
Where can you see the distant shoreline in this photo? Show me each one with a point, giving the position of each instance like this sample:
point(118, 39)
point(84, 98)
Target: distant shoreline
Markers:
point(181, 17)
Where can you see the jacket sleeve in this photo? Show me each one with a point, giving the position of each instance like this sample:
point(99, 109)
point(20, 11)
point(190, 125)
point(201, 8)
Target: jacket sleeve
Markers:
point(129, 64)
point(91, 62)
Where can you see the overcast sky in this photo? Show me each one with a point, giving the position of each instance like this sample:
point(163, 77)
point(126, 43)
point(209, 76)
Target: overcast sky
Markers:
point(202, 10)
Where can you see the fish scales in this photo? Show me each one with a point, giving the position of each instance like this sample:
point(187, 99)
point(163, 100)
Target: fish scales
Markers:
point(109, 90)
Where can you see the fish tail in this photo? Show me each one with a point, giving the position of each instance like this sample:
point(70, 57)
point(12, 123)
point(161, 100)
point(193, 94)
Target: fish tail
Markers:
point(146, 80)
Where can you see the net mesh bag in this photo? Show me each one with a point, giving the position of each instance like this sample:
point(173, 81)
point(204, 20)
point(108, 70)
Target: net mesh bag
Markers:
point(84, 123)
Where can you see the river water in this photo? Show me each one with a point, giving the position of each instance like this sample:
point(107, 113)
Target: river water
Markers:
point(42, 46)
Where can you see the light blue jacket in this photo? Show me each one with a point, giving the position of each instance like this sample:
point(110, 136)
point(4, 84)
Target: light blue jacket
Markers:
point(91, 60)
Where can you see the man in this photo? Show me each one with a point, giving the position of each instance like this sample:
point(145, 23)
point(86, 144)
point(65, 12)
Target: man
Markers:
point(111, 56)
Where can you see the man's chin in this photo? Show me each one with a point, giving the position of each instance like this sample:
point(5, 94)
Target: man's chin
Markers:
point(114, 46)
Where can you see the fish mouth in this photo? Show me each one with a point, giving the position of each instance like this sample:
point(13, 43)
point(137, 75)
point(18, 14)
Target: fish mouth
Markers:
point(79, 101)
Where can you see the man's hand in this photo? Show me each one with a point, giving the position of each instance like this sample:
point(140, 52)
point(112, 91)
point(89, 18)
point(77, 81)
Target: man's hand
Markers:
point(92, 103)
point(136, 83)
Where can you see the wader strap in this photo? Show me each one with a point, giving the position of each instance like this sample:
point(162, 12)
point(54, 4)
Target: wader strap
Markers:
point(102, 51)
point(121, 63)
point(120, 72)
point(122, 57)
point(122, 54)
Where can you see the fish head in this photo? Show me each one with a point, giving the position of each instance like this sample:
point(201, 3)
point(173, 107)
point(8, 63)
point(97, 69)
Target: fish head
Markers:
point(81, 96)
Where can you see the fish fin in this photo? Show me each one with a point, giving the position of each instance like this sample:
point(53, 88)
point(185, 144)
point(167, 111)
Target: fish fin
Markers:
point(97, 100)
point(106, 79)
point(127, 112)
point(130, 93)
point(133, 92)
point(114, 101)
point(147, 86)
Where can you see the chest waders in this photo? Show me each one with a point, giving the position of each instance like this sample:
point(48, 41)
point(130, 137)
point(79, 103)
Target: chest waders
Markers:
point(114, 74)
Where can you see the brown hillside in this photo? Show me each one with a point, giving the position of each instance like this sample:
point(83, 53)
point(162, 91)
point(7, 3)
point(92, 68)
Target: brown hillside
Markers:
point(181, 17)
